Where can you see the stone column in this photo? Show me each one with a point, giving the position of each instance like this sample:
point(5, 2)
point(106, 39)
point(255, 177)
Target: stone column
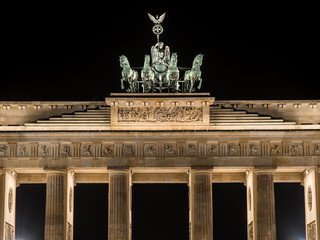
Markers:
point(311, 184)
point(119, 219)
point(8, 183)
point(59, 205)
point(261, 205)
point(200, 204)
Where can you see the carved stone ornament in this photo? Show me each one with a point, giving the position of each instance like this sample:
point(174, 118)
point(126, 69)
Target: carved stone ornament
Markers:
point(23, 150)
point(4, 150)
point(249, 198)
point(160, 114)
point(70, 199)
point(107, 150)
point(150, 150)
point(296, 149)
point(9, 232)
point(316, 149)
point(69, 232)
point(66, 150)
point(309, 198)
point(10, 200)
point(233, 150)
point(254, 149)
point(191, 149)
point(275, 149)
point(170, 150)
point(87, 150)
point(250, 231)
point(311, 231)
point(129, 150)
point(44, 150)
point(212, 149)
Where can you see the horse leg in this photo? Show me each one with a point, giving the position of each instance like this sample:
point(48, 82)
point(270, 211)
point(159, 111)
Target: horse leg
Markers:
point(191, 84)
point(186, 86)
point(122, 87)
point(199, 86)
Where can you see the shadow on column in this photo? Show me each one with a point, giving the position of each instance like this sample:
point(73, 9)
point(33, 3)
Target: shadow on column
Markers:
point(290, 216)
point(229, 211)
point(91, 211)
point(30, 211)
point(160, 211)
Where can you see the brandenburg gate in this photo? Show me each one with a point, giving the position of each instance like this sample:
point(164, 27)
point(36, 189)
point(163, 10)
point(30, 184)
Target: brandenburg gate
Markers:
point(160, 135)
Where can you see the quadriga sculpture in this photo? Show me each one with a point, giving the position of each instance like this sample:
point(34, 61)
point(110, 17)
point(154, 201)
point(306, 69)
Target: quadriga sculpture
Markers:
point(193, 75)
point(129, 75)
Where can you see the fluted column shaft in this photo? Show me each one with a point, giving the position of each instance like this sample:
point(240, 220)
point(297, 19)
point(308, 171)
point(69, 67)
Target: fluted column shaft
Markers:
point(201, 206)
point(261, 205)
point(7, 204)
point(119, 206)
point(311, 184)
point(55, 220)
point(266, 219)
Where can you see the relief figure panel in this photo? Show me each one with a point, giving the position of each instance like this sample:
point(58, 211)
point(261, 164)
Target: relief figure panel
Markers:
point(160, 114)
point(4, 150)
point(9, 232)
point(311, 231)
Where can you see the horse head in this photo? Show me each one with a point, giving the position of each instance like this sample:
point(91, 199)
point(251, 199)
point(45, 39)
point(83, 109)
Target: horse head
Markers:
point(197, 62)
point(146, 61)
point(124, 61)
point(174, 60)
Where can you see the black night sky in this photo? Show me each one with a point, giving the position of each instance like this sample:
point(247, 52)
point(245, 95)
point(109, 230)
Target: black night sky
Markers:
point(70, 51)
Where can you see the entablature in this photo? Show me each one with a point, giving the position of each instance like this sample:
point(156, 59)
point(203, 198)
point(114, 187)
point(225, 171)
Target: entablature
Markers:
point(159, 149)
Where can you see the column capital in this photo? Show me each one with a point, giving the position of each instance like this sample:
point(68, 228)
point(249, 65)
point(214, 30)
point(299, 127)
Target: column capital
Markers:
point(11, 172)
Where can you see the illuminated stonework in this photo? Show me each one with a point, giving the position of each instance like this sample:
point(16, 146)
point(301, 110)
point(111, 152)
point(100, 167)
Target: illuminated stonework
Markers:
point(166, 138)
point(10, 200)
point(309, 198)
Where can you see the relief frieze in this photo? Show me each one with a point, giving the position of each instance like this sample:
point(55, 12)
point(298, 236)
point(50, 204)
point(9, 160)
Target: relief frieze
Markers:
point(87, 150)
point(23, 150)
point(169, 149)
point(213, 149)
point(316, 149)
point(66, 150)
point(296, 149)
point(150, 150)
point(275, 149)
point(191, 149)
point(160, 114)
point(129, 150)
point(44, 150)
point(254, 149)
point(107, 150)
point(4, 150)
point(233, 149)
